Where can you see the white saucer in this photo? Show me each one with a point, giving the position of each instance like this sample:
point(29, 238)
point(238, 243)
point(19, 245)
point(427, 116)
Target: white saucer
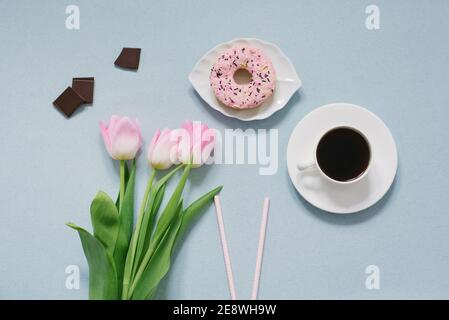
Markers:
point(323, 193)
point(287, 80)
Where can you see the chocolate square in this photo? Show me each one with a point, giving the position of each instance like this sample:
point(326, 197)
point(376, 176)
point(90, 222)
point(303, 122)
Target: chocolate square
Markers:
point(85, 78)
point(84, 87)
point(129, 58)
point(68, 101)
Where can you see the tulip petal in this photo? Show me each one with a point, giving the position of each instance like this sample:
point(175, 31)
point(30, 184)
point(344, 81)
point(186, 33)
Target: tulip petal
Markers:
point(198, 140)
point(106, 138)
point(113, 121)
point(164, 153)
point(153, 143)
point(124, 138)
point(136, 125)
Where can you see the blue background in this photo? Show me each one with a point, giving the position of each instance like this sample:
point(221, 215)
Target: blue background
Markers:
point(52, 167)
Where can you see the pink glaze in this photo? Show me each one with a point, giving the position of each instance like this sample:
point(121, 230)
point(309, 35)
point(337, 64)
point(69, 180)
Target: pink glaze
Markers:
point(244, 96)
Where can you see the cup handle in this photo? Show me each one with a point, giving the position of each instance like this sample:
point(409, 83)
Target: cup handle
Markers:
point(306, 166)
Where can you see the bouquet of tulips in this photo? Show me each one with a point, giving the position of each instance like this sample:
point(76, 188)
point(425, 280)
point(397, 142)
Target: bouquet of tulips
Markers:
point(127, 262)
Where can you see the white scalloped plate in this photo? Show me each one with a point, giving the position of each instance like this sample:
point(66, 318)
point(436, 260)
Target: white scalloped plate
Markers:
point(321, 192)
point(287, 80)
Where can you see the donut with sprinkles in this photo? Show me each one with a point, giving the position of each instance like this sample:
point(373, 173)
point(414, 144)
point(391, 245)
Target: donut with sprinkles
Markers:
point(243, 96)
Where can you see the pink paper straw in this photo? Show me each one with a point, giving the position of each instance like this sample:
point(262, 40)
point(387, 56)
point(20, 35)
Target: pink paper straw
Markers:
point(260, 249)
point(224, 244)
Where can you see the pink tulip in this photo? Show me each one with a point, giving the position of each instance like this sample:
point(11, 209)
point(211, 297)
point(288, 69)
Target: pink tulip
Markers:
point(196, 143)
point(162, 153)
point(122, 137)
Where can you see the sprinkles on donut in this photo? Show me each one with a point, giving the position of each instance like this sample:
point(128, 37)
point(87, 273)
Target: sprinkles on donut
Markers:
point(243, 96)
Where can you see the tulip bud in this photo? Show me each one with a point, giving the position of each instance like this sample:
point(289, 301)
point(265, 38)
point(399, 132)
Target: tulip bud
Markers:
point(122, 137)
point(196, 143)
point(162, 153)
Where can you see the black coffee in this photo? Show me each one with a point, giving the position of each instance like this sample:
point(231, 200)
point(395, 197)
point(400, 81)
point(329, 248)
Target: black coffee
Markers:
point(343, 154)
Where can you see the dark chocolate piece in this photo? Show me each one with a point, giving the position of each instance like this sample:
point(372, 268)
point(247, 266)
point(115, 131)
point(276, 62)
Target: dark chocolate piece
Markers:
point(68, 101)
point(85, 88)
point(129, 58)
point(85, 78)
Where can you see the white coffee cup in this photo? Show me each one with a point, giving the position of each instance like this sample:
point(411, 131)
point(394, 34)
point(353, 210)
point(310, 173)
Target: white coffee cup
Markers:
point(313, 164)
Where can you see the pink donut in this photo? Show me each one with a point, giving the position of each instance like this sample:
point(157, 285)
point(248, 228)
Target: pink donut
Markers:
point(243, 96)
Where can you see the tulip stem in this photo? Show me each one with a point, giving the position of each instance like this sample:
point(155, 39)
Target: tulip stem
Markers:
point(122, 182)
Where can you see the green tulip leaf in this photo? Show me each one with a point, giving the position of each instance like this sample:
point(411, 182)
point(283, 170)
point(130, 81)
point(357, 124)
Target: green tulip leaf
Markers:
point(102, 274)
point(151, 294)
point(153, 209)
point(170, 210)
point(167, 217)
point(195, 209)
point(142, 235)
point(148, 223)
point(126, 219)
point(105, 221)
point(159, 263)
point(150, 214)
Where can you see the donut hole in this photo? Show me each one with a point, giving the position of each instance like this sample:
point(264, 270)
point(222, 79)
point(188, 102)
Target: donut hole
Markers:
point(242, 76)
